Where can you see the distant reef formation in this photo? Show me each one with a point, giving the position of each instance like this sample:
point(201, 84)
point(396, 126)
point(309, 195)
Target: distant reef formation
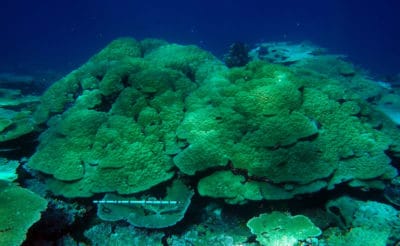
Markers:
point(141, 116)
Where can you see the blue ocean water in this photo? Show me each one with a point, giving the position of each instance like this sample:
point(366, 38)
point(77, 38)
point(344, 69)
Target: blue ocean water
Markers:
point(61, 35)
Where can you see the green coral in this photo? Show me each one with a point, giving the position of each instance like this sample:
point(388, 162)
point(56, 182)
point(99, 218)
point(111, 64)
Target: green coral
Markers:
point(114, 130)
point(276, 126)
point(209, 139)
point(19, 210)
point(101, 71)
point(16, 114)
point(358, 236)
point(232, 188)
point(8, 171)
point(366, 223)
point(289, 164)
point(283, 129)
point(278, 228)
point(155, 108)
point(190, 60)
point(99, 151)
point(119, 49)
point(235, 189)
point(66, 144)
point(266, 97)
point(56, 98)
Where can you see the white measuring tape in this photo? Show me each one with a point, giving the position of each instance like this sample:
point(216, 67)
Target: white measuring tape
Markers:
point(136, 202)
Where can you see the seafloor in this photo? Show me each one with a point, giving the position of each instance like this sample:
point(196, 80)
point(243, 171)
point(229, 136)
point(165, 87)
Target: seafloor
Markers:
point(154, 143)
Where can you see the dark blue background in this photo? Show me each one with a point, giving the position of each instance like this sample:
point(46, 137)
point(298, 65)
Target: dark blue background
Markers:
point(61, 35)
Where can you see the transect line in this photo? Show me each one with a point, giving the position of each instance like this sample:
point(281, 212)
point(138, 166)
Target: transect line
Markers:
point(141, 202)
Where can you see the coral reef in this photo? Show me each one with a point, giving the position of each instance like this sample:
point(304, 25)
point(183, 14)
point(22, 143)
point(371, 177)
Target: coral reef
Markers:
point(141, 116)
point(118, 135)
point(283, 132)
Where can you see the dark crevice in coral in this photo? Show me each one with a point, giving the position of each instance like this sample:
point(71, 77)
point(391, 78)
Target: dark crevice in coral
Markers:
point(106, 103)
point(394, 157)
point(373, 99)
point(11, 127)
point(78, 91)
point(301, 90)
point(309, 138)
point(125, 81)
point(288, 63)
point(53, 225)
point(364, 118)
point(194, 179)
point(378, 127)
point(345, 158)
point(190, 74)
point(318, 124)
point(99, 77)
point(149, 95)
point(23, 146)
point(280, 146)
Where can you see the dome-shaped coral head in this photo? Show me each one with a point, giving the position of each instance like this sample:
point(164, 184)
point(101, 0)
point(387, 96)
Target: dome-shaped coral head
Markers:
point(238, 55)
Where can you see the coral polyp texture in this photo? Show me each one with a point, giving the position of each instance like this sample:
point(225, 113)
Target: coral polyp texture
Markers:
point(138, 113)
